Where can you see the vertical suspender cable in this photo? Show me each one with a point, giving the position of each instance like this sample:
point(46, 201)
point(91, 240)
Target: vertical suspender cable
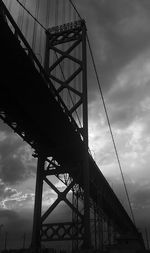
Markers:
point(69, 65)
point(40, 53)
point(79, 76)
point(47, 22)
point(48, 5)
point(55, 23)
point(63, 45)
point(74, 63)
point(40, 24)
point(26, 25)
point(19, 15)
point(63, 12)
point(22, 18)
point(74, 15)
point(35, 25)
point(64, 65)
point(56, 11)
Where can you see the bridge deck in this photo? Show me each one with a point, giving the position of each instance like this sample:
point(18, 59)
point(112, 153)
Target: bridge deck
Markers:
point(27, 102)
point(30, 103)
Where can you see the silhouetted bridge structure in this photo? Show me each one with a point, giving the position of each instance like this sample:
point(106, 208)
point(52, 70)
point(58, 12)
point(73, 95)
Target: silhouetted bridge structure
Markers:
point(31, 104)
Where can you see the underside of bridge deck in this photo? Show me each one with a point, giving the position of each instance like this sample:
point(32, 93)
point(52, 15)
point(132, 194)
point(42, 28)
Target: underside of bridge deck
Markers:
point(28, 105)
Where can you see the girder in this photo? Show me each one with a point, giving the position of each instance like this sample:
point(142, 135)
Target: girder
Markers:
point(34, 109)
point(66, 231)
point(61, 44)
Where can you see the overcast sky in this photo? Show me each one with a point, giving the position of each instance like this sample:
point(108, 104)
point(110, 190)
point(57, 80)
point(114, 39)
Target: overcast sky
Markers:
point(119, 32)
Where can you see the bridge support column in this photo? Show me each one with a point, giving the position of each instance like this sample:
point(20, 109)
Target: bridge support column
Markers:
point(68, 42)
point(36, 238)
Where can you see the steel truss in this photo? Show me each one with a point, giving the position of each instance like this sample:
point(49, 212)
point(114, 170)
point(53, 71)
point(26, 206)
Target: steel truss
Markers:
point(71, 230)
point(76, 229)
point(61, 43)
point(66, 230)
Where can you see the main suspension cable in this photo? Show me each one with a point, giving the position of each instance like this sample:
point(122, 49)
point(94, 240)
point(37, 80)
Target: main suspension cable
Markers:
point(110, 128)
point(107, 116)
point(48, 5)
point(31, 15)
point(56, 20)
point(75, 8)
point(35, 25)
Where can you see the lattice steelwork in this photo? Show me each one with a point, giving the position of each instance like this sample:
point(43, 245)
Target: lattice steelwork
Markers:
point(63, 90)
point(67, 70)
point(64, 62)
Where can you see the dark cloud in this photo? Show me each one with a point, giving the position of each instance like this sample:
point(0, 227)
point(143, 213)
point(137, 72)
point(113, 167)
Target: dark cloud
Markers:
point(9, 145)
point(125, 104)
point(119, 31)
point(16, 161)
point(122, 117)
point(12, 170)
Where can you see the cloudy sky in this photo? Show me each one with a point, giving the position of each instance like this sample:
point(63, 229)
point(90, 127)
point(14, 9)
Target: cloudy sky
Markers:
point(119, 32)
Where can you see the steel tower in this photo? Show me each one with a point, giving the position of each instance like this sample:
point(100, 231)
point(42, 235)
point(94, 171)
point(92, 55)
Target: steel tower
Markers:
point(61, 42)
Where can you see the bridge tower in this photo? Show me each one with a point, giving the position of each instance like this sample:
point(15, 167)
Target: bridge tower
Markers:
point(62, 43)
point(66, 81)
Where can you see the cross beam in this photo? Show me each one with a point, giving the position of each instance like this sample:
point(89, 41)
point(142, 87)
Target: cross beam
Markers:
point(70, 81)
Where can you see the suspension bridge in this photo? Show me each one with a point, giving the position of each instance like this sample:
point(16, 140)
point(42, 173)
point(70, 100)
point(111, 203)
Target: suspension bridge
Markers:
point(44, 100)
